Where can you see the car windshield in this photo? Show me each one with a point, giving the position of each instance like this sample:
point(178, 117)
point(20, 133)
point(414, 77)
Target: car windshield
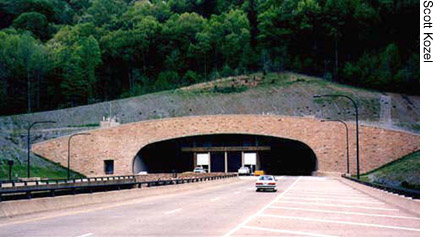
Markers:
point(266, 178)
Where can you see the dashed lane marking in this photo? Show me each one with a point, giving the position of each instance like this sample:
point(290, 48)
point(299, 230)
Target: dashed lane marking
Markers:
point(214, 199)
point(337, 205)
point(299, 233)
point(339, 222)
point(173, 211)
point(261, 210)
point(345, 212)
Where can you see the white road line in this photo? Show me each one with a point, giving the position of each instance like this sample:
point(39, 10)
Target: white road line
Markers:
point(336, 205)
point(85, 235)
point(173, 211)
point(345, 212)
point(330, 196)
point(261, 210)
point(330, 199)
point(347, 194)
point(214, 199)
point(315, 178)
point(340, 222)
point(236, 192)
point(286, 231)
point(352, 193)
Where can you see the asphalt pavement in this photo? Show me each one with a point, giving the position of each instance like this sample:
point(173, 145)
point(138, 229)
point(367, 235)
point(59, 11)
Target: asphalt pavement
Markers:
point(302, 206)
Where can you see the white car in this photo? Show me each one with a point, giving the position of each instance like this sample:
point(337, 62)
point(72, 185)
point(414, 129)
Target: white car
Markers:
point(266, 182)
point(244, 171)
point(199, 170)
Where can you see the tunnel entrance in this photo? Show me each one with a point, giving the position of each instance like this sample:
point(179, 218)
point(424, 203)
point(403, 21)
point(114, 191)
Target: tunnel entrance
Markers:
point(227, 153)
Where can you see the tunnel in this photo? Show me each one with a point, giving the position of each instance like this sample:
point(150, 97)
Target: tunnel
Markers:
point(227, 153)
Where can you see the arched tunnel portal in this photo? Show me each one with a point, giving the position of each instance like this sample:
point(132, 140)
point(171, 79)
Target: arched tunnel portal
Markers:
point(227, 153)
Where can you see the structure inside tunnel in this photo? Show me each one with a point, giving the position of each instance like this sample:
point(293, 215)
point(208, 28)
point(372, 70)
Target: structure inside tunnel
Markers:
point(227, 153)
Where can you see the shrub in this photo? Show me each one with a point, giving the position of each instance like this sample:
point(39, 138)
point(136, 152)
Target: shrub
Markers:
point(166, 80)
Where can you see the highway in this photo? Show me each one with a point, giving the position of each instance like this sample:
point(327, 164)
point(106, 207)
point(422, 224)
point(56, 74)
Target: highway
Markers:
point(303, 206)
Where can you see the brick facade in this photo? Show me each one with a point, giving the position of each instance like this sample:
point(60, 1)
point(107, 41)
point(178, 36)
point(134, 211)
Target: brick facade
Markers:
point(121, 144)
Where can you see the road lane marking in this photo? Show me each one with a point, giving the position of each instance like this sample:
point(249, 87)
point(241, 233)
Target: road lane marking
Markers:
point(330, 199)
point(339, 222)
point(236, 192)
point(360, 197)
point(314, 178)
point(173, 211)
point(85, 235)
point(286, 231)
point(345, 212)
point(347, 194)
point(232, 231)
point(336, 205)
point(214, 199)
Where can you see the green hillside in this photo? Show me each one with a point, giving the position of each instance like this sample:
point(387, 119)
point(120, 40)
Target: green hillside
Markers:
point(403, 173)
point(60, 54)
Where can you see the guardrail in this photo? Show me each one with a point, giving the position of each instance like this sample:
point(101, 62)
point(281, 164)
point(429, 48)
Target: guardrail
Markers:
point(25, 183)
point(401, 191)
point(88, 185)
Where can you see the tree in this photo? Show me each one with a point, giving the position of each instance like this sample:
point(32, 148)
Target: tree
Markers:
point(105, 12)
point(130, 49)
point(77, 54)
point(203, 47)
point(89, 52)
point(235, 36)
point(23, 61)
point(34, 22)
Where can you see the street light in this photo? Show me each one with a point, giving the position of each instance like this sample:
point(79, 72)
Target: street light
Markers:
point(28, 143)
point(346, 132)
point(69, 142)
point(357, 126)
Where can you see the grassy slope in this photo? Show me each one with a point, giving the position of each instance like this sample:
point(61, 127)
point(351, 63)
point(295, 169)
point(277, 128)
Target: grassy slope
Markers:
point(403, 172)
point(43, 172)
point(45, 169)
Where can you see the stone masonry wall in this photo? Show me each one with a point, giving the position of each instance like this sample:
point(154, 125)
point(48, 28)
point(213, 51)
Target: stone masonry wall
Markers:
point(121, 144)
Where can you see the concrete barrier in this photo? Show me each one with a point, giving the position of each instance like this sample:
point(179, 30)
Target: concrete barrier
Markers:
point(10, 209)
point(406, 204)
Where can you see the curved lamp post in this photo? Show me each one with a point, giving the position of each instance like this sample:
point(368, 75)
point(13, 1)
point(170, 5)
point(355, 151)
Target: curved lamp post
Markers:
point(28, 143)
point(357, 126)
point(346, 133)
point(69, 146)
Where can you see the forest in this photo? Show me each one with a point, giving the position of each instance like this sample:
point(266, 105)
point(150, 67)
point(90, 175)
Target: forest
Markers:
point(62, 53)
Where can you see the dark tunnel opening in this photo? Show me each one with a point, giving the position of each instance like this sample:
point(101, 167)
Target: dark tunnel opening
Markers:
point(227, 153)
